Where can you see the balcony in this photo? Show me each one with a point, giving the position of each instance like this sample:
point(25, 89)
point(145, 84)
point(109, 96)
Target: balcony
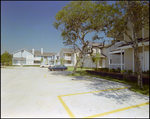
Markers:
point(37, 58)
point(67, 57)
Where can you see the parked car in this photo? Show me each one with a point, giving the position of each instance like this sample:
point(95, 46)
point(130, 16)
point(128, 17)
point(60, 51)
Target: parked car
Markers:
point(45, 65)
point(58, 68)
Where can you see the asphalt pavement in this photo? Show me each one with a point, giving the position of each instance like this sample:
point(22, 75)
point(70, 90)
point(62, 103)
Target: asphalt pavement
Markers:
point(37, 92)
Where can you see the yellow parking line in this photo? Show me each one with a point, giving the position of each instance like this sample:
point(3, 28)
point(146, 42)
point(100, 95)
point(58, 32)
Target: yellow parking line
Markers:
point(67, 81)
point(66, 107)
point(45, 76)
point(118, 110)
point(94, 91)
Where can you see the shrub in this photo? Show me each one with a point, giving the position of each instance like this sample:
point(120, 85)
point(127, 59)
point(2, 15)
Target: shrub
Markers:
point(102, 69)
point(113, 70)
point(130, 71)
point(135, 73)
point(147, 72)
point(118, 70)
point(123, 71)
point(106, 69)
point(144, 72)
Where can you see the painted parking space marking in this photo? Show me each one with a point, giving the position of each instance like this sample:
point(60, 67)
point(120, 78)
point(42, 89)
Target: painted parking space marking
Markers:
point(67, 81)
point(93, 91)
point(66, 107)
point(118, 110)
point(45, 76)
point(69, 111)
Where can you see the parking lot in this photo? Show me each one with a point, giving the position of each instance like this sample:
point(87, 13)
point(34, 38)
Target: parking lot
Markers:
point(37, 92)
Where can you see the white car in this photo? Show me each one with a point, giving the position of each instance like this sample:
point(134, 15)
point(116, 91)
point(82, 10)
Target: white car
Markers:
point(45, 65)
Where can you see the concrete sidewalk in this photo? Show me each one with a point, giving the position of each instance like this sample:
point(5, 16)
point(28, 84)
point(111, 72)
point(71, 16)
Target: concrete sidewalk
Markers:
point(37, 92)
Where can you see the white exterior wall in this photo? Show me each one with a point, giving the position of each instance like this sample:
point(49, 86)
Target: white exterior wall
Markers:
point(105, 52)
point(88, 63)
point(25, 54)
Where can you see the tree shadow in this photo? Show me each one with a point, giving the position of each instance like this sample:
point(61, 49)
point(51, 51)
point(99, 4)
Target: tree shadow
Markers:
point(63, 73)
point(120, 96)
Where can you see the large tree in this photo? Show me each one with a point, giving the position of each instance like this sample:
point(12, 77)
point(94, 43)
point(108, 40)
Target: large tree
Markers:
point(135, 13)
point(6, 58)
point(76, 20)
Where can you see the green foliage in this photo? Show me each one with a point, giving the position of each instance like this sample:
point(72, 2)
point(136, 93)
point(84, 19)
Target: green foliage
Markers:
point(79, 18)
point(62, 61)
point(10, 63)
point(113, 70)
point(56, 61)
point(135, 73)
point(96, 58)
point(6, 58)
point(123, 71)
point(118, 70)
point(130, 71)
point(144, 72)
point(147, 72)
point(74, 17)
point(41, 60)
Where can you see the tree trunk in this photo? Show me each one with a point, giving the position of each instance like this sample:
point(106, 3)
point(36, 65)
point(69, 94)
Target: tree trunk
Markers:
point(76, 64)
point(138, 66)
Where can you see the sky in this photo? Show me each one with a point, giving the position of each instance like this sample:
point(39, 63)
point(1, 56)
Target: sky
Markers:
point(28, 24)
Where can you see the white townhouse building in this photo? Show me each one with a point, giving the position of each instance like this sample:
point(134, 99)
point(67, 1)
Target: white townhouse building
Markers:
point(121, 54)
point(32, 57)
point(69, 56)
point(97, 48)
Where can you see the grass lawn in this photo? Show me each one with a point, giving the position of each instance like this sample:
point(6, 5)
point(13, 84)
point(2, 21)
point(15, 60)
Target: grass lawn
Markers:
point(79, 69)
point(134, 87)
point(7, 67)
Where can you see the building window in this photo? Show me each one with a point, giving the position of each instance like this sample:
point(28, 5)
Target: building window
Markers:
point(110, 61)
point(57, 57)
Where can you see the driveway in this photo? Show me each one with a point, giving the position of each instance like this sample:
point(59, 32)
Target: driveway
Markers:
point(37, 92)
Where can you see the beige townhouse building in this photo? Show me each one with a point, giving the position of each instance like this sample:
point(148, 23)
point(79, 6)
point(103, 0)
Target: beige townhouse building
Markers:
point(121, 54)
point(70, 56)
point(97, 48)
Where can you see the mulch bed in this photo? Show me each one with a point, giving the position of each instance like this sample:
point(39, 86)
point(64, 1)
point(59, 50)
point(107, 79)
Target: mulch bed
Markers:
point(120, 76)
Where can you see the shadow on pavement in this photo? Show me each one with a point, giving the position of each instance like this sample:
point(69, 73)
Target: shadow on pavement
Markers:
point(120, 96)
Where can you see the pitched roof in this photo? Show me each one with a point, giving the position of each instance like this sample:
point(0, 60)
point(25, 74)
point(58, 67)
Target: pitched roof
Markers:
point(67, 50)
point(44, 53)
point(139, 40)
point(22, 49)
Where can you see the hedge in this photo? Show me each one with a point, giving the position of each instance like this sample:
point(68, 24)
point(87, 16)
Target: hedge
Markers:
point(120, 76)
